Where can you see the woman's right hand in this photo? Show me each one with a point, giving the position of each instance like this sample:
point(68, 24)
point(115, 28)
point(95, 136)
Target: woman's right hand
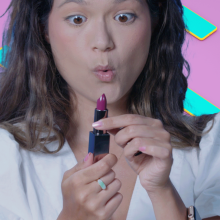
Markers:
point(83, 197)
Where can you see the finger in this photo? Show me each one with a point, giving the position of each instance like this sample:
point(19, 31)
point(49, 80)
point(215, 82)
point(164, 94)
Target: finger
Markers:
point(151, 147)
point(107, 179)
point(113, 204)
point(125, 120)
point(156, 151)
point(93, 189)
point(97, 170)
point(114, 131)
point(105, 195)
point(126, 134)
point(79, 166)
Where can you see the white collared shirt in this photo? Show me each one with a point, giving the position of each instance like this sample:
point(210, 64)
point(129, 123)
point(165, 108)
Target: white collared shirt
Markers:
point(30, 182)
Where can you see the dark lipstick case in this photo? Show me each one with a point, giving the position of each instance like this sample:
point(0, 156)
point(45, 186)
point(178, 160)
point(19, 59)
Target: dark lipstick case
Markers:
point(99, 139)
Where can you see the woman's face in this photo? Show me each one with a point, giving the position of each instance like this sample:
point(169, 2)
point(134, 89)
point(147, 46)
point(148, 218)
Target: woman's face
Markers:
point(86, 33)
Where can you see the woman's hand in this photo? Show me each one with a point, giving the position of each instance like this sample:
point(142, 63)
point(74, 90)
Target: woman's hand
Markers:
point(83, 198)
point(147, 135)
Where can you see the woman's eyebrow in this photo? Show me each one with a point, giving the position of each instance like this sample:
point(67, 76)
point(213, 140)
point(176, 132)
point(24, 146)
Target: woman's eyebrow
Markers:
point(83, 2)
point(80, 2)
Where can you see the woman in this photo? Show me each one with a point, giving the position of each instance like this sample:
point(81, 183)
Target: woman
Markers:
point(48, 95)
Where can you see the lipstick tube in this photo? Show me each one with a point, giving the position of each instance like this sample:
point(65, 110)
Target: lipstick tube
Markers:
point(99, 139)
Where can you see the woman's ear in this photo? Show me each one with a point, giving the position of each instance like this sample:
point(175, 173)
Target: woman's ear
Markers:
point(45, 34)
point(47, 38)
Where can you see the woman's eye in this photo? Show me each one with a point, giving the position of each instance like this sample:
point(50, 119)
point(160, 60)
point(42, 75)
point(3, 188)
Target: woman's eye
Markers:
point(123, 18)
point(76, 19)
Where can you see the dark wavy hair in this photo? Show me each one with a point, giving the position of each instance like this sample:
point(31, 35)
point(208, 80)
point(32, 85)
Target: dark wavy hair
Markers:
point(34, 94)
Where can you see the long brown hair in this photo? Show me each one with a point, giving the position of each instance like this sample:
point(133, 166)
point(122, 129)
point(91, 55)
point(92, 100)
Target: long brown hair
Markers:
point(34, 94)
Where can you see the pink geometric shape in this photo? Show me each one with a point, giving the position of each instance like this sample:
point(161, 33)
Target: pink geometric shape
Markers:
point(3, 6)
point(204, 56)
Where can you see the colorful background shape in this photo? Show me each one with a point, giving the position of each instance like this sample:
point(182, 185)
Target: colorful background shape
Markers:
point(204, 56)
point(203, 93)
point(196, 25)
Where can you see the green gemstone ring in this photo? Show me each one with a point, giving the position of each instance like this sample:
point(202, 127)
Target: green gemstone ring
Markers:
point(103, 186)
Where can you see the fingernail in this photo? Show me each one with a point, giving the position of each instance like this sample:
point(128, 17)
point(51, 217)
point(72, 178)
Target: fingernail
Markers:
point(87, 157)
point(97, 124)
point(142, 148)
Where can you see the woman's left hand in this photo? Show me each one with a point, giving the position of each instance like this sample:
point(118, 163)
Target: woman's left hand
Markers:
point(154, 164)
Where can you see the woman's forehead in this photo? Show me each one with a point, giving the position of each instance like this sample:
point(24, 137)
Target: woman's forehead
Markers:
point(91, 2)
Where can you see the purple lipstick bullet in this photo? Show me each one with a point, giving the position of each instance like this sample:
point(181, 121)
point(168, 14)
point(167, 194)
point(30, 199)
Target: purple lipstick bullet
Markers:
point(99, 139)
point(101, 103)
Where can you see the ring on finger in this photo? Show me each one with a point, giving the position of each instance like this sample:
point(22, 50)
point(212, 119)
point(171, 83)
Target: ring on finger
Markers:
point(100, 182)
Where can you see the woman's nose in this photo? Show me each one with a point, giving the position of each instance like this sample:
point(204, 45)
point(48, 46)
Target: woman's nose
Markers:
point(102, 38)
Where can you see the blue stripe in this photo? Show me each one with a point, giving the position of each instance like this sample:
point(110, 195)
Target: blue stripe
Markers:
point(197, 105)
point(3, 52)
